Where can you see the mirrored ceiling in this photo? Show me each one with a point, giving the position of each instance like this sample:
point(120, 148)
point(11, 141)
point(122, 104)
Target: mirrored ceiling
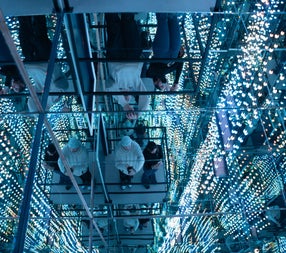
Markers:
point(221, 129)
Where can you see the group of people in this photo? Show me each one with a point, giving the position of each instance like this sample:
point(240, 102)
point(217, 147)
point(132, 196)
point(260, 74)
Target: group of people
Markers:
point(36, 48)
point(129, 160)
point(124, 43)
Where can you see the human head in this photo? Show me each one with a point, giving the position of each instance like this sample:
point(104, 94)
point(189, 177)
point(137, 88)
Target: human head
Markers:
point(159, 82)
point(151, 147)
point(51, 149)
point(17, 85)
point(74, 144)
point(125, 142)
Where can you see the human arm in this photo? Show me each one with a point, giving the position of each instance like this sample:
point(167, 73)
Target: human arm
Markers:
point(47, 166)
point(121, 161)
point(61, 166)
point(138, 160)
point(79, 163)
point(178, 69)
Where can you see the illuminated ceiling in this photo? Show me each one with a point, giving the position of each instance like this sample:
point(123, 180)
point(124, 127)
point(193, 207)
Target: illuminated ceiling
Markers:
point(225, 140)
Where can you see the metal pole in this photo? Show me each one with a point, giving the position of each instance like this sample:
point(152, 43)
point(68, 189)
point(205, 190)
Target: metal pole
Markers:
point(28, 190)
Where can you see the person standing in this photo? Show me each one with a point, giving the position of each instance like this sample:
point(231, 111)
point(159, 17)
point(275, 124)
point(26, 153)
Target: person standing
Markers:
point(129, 160)
point(166, 44)
point(153, 161)
point(124, 43)
point(50, 162)
point(77, 158)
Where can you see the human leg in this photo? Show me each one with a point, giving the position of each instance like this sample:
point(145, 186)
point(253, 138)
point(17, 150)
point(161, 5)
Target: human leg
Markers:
point(114, 37)
point(86, 178)
point(175, 37)
point(125, 179)
point(130, 36)
point(64, 180)
point(42, 43)
point(161, 41)
point(25, 35)
point(148, 177)
point(34, 39)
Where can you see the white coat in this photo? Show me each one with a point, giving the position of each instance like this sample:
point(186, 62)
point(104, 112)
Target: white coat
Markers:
point(132, 157)
point(38, 73)
point(78, 160)
point(126, 77)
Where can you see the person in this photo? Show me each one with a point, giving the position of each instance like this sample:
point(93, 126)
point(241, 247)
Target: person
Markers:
point(33, 37)
point(141, 134)
point(153, 161)
point(36, 46)
point(124, 43)
point(166, 44)
point(77, 158)
point(143, 223)
point(131, 224)
point(13, 79)
point(8, 69)
point(50, 162)
point(129, 160)
point(38, 73)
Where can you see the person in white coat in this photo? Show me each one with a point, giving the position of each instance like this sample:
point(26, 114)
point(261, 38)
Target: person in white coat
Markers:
point(129, 160)
point(38, 73)
point(130, 224)
point(124, 42)
point(77, 158)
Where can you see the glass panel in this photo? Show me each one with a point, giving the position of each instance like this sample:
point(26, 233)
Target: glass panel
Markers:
point(222, 134)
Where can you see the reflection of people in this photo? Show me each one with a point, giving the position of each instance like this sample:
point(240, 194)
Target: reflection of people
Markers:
point(153, 161)
point(36, 46)
point(10, 71)
point(143, 223)
point(38, 72)
point(13, 79)
point(131, 224)
point(77, 157)
point(167, 44)
point(33, 36)
point(124, 43)
point(129, 160)
point(50, 162)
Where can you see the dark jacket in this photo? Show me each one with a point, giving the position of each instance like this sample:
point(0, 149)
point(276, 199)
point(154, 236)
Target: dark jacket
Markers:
point(159, 70)
point(152, 159)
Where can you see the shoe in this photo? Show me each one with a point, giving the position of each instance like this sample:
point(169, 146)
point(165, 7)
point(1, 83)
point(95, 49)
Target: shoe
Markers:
point(147, 186)
point(83, 187)
point(129, 186)
point(123, 187)
point(68, 187)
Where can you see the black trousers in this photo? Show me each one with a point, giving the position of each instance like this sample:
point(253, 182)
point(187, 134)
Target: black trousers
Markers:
point(125, 179)
point(34, 40)
point(124, 37)
point(86, 179)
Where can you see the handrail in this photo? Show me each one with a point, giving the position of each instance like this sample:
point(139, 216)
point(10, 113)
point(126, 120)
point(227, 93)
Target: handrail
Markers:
point(98, 162)
point(107, 198)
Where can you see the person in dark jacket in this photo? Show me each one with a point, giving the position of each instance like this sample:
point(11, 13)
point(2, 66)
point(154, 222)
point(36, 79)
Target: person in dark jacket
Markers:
point(35, 44)
point(33, 36)
point(50, 162)
point(153, 161)
point(167, 44)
